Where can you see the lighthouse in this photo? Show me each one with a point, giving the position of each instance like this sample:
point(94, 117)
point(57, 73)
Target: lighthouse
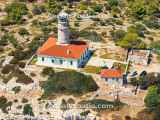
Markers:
point(62, 52)
point(63, 28)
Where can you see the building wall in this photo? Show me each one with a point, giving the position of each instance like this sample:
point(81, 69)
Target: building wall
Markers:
point(63, 62)
point(57, 62)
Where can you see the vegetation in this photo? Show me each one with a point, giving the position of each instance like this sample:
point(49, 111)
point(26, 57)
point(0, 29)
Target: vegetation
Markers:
point(16, 89)
point(6, 69)
point(15, 11)
point(53, 6)
point(23, 32)
point(131, 40)
point(68, 82)
point(92, 69)
point(113, 3)
point(35, 43)
point(8, 37)
point(24, 100)
point(139, 9)
point(48, 71)
point(23, 78)
point(118, 34)
point(27, 110)
point(152, 101)
point(146, 81)
point(90, 35)
point(4, 104)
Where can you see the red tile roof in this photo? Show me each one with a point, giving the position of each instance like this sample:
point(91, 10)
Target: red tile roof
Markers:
point(73, 50)
point(111, 73)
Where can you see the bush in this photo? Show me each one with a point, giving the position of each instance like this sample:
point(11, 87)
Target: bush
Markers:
point(152, 23)
point(24, 100)
point(131, 40)
point(90, 35)
point(3, 41)
point(113, 2)
point(69, 82)
point(23, 32)
point(27, 110)
point(97, 8)
point(37, 10)
point(4, 104)
point(15, 11)
point(7, 69)
point(21, 64)
point(118, 34)
point(22, 77)
point(16, 89)
point(48, 71)
point(152, 98)
point(8, 37)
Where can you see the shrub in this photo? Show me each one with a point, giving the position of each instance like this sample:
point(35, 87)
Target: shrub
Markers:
point(97, 8)
point(27, 110)
point(10, 38)
point(15, 11)
point(131, 40)
point(22, 77)
point(4, 104)
point(90, 35)
point(53, 7)
point(3, 41)
point(6, 69)
point(24, 100)
point(69, 82)
point(37, 10)
point(118, 34)
point(48, 71)
point(152, 98)
point(16, 89)
point(21, 64)
point(23, 31)
point(152, 23)
point(113, 2)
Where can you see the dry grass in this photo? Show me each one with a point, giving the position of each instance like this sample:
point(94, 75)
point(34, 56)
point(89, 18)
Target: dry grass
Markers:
point(92, 69)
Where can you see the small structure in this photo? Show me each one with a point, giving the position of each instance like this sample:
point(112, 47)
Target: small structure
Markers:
point(112, 76)
point(139, 56)
point(63, 53)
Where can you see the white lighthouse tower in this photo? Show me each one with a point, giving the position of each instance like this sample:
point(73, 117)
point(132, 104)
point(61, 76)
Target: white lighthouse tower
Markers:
point(63, 28)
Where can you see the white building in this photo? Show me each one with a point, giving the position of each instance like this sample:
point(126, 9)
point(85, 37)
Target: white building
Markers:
point(63, 53)
point(112, 76)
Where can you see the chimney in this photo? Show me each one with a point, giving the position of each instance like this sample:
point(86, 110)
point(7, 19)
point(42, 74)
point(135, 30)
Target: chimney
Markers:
point(68, 52)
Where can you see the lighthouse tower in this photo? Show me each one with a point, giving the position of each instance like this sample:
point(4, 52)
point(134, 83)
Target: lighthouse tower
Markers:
point(63, 28)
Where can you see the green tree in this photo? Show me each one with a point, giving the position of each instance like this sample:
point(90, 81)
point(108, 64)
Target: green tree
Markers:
point(27, 110)
point(152, 100)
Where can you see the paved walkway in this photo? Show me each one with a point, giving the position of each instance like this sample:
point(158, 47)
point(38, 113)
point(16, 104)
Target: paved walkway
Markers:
point(100, 62)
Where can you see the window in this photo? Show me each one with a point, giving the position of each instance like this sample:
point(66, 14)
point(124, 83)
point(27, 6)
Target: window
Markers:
point(52, 60)
point(117, 79)
point(71, 62)
point(42, 58)
point(61, 61)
